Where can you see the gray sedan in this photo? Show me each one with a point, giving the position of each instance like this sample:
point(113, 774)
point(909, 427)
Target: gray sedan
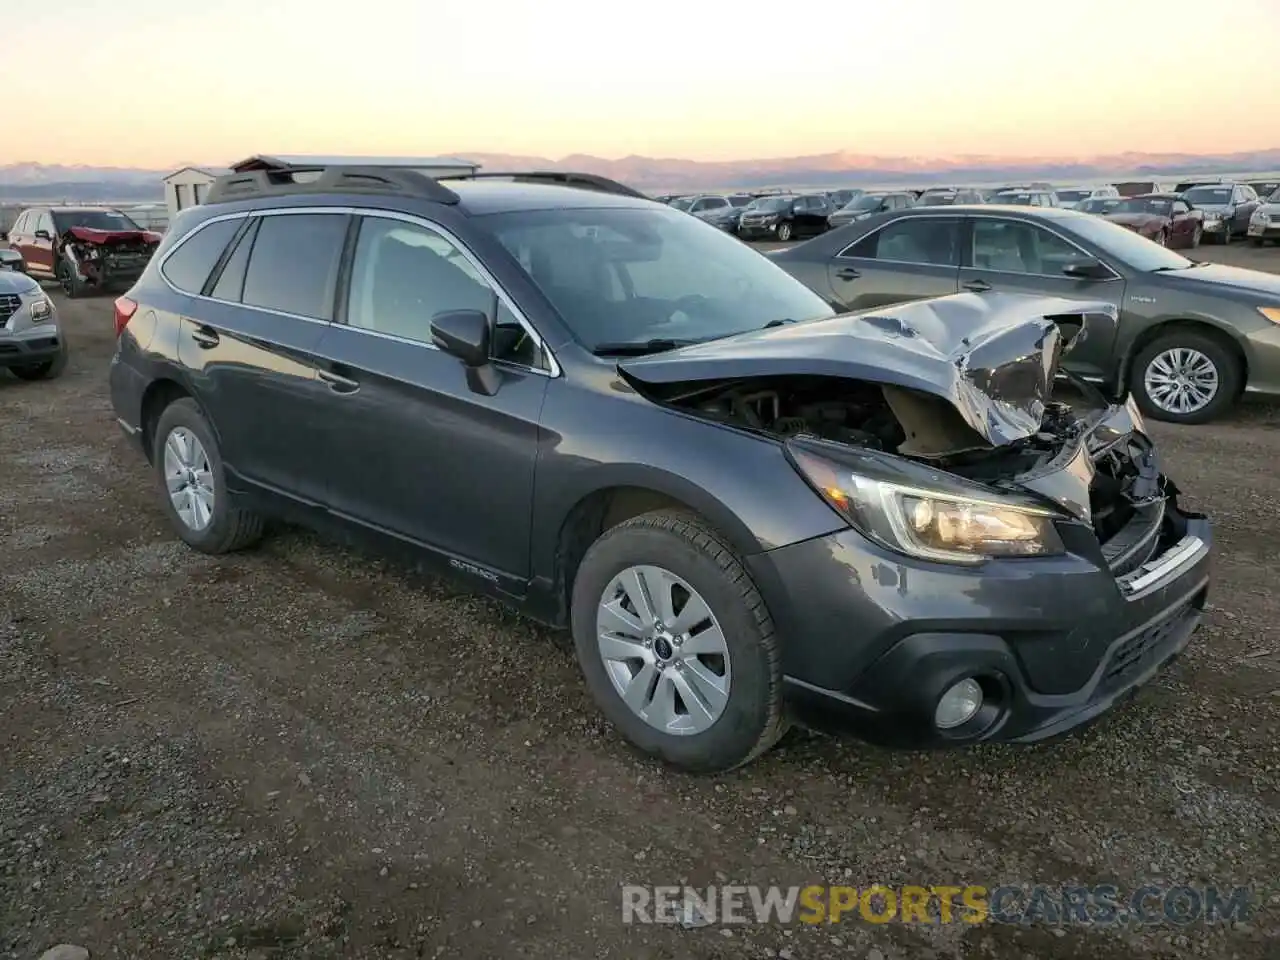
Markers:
point(1189, 337)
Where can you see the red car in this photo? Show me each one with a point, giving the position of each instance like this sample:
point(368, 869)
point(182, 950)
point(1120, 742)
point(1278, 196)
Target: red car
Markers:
point(1163, 217)
point(82, 247)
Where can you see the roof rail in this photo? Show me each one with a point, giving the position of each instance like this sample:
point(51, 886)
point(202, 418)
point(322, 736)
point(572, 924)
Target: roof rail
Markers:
point(584, 181)
point(284, 182)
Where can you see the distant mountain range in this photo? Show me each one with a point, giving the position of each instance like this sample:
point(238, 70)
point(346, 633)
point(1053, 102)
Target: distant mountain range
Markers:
point(21, 181)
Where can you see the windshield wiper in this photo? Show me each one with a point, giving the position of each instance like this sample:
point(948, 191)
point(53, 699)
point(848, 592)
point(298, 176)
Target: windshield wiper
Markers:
point(778, 323)
point(637, 348)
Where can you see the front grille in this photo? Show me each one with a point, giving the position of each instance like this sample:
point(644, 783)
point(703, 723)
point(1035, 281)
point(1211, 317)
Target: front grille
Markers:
point(1275, 218)
point(9, 304)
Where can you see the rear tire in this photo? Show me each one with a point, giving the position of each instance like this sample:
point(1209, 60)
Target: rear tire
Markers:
point(229, 528)
point(689, 551)
point(1225, 363)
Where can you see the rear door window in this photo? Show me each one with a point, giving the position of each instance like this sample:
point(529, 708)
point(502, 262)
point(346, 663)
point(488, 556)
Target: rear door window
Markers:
point(230, 285)
point(294, 264)
point(190, 264)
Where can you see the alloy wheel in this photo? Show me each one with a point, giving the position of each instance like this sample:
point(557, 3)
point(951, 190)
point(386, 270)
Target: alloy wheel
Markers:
point(663, 650)
point(784, 232)
point(1181, 381)
point(189, 478)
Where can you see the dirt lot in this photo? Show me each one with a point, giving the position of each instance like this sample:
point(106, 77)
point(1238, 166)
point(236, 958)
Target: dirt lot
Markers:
point(301, 751)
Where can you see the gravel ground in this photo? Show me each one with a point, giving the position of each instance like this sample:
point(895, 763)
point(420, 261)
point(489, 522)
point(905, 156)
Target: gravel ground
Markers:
point(306, 752)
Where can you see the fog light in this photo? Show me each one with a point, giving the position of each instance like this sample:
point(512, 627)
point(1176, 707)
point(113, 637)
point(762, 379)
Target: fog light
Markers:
point(958, 705)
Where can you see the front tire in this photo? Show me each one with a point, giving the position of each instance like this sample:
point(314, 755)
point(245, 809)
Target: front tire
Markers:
point(68, 279)
point(784, 232)
point(1186, 377)
point(676, 645)
point(1196, 236)
point(193, 485)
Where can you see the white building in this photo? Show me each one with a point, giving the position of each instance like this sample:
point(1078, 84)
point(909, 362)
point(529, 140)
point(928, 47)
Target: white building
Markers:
point(189, 186)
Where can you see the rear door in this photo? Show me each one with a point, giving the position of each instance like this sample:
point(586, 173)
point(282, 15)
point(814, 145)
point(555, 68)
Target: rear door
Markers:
point(413, 449)
point(1009, 255)
point(250, 342)
point(906, 259)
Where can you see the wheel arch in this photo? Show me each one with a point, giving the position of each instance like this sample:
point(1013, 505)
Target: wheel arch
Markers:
point(158, 396)
point(1224, 335)
point(616, 500)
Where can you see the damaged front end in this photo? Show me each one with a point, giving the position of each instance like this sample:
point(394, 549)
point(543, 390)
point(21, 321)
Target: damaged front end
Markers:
point(941, 428)
point(104, 258)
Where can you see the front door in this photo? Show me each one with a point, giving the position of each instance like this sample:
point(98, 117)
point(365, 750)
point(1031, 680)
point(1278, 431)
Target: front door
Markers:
point(1017, 256)
point(414, 450)
point(40, 244)
point(907, 259)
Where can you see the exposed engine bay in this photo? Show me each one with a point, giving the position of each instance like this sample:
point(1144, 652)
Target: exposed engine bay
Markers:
point(103, 256)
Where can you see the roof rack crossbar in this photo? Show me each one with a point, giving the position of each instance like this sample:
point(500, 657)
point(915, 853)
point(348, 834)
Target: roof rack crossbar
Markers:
point(283, 181)
point(584, 181)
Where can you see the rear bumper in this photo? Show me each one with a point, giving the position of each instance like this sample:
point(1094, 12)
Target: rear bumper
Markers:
point(872, 644)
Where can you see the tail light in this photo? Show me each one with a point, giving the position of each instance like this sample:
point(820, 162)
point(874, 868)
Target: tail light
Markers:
point(125, 309)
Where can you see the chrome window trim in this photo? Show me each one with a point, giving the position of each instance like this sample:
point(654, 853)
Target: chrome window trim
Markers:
point(959, 218)
point(553, 365)
point(943, 215)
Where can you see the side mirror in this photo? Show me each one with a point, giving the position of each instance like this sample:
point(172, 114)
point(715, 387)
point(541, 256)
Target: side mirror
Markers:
point(43, 235)
point(1087, 270)
point(466, 334)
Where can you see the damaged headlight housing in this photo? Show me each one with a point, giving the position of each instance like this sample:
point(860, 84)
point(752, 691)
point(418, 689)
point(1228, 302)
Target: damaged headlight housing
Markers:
point(930, 524)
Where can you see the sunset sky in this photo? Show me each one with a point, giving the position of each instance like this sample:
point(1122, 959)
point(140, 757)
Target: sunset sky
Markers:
point(153, 82)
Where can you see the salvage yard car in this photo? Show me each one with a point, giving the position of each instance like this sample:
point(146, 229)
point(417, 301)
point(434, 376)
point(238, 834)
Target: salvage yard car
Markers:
point(1189, 336)
point(1165, 218)
point(1227, 208)
point(82, 247)
point(1264, 224)
point(746, 507)
point(32, 346)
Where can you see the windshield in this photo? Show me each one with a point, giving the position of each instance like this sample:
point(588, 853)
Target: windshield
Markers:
point(1208, 195)
point(1018, 199)
point(1073, 196)
point(1097, 205)
point(1275, 196)
point(1126, 246)
point(1153, 205)
point(868, 202)
point(683, 203)
point(740, 201)
point(768, 204)
point(93, 220)
point(627, 275)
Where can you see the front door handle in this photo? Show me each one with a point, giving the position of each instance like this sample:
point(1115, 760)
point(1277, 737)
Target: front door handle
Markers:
point(206, 338)
point(978, 286)
point(848, 273)
point(336, 383)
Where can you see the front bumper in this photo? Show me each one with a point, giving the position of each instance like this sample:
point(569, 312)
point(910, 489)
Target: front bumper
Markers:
point(758, 231)
point(874, 640)
point(1215, 227)
point(1265, 230)
point(31, 347)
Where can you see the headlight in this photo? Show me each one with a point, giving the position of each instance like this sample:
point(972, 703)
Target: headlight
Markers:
point(926, 523)
point(41, 309)
point(1260, 215)
point(1271, 313)
point(1210, 217)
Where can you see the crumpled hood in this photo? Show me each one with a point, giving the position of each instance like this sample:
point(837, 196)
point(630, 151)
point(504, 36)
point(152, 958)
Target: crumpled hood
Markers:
point(994, 357)
point(112, 237)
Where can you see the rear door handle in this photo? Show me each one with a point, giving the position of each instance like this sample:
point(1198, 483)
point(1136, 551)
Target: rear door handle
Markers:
point(337, 383)
point(978, 286)
point(848, 273)
point(206, 338)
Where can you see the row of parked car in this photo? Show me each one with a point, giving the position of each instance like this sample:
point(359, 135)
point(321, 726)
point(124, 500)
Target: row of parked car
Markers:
point(1184, 214)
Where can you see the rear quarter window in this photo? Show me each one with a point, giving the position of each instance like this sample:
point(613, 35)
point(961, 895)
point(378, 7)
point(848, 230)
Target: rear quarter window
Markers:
point(190, 264)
